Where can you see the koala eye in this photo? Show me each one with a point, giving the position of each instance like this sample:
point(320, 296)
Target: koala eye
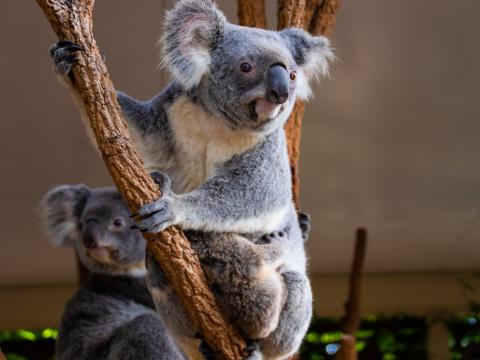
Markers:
point(246, 67)
point(293, 75)
point(118, 222)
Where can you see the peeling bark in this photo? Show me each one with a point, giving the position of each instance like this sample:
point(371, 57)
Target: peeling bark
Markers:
point(72, 20)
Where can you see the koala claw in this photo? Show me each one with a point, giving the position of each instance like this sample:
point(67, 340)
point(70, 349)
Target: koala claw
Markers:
point(162, 180)
point(207, 352)
point(253, 351)
point(269, 238)
point(305, 224)
point(63, 54)
point(156, 216)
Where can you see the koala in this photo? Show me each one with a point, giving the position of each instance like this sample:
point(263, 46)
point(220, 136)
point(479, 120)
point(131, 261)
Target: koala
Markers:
point(214, 139)
point(112, 315)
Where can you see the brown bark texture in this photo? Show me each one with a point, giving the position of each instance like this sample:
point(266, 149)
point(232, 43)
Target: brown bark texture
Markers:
point(72, 20)
point(351, 321)
point(303, 14)
point(252, 13)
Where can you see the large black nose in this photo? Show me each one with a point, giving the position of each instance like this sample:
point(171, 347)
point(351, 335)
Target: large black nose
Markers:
point(91, 234)
point(278, 84)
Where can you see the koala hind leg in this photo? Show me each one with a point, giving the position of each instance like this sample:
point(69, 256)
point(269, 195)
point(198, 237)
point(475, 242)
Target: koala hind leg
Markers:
point(294, 318)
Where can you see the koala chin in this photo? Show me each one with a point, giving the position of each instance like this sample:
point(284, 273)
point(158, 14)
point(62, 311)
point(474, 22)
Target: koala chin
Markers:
point(215, 136)
point(112, 315)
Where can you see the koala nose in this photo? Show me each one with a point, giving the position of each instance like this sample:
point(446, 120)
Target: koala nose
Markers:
point(278, 83)
point(91, 234)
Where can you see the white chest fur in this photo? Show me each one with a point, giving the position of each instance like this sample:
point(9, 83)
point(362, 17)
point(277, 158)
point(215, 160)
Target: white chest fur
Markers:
point(202, 142)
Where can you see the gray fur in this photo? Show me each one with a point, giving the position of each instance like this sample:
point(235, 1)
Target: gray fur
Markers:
point(216, 133)
point(112, 315)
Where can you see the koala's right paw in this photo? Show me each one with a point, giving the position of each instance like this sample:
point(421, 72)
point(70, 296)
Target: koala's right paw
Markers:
point(271, 237)
point(64, 57)
point(207, 352)
point(305, 224)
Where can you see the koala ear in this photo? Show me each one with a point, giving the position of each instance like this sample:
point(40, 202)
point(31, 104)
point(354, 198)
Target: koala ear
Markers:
point(192, 29)
point(61, 209)
point(311, 53)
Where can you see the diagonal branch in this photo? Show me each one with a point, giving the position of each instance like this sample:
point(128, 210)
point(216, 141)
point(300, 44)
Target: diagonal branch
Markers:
point(72, 20)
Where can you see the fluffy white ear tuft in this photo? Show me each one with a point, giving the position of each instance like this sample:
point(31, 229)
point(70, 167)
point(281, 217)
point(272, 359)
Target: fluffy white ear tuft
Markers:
point(61, 209)
point(311, 53)
point(192, 30)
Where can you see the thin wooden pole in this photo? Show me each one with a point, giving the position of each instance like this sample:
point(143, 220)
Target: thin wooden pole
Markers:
point(351, 321)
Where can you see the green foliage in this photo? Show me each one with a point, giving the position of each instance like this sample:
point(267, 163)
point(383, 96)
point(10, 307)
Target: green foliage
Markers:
point(465, 335)
point(383, 338)
point(30, 335)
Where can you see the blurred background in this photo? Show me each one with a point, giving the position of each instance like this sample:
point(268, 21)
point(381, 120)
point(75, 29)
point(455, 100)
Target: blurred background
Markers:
point(390, 143)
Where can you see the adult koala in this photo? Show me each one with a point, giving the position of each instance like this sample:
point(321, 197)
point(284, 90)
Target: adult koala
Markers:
point(112, 315)
point(217, 132)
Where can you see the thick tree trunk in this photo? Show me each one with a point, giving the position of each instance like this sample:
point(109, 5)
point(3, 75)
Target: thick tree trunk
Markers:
point(72, 20)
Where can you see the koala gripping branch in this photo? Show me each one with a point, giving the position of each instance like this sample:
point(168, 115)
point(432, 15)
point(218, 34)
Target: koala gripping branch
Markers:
point(72, 20)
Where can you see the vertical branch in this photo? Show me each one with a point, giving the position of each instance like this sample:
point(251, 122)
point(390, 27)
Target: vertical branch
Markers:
point(323, 17)
point(302, 14)
point(252, 13)
point(72, 20)
point(290, 13)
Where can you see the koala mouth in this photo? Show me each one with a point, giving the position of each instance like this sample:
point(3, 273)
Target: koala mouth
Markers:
point(266, 110)
point(102, 254)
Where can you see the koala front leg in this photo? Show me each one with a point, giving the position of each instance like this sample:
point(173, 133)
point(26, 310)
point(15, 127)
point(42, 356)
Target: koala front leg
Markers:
point(295, 317)
point(250, 193)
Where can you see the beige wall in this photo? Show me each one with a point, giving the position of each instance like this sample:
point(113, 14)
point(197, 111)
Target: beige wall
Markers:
point(424, 294)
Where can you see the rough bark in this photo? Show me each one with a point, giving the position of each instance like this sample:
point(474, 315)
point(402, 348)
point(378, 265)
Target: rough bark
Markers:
point(252, 13)
point(352, 318)
point(290, 13)
point(72, 20)
point(323, 17)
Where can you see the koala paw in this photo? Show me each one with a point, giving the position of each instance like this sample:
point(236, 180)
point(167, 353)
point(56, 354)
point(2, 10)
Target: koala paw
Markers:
point(162, 180)
point(305, 224)
point(159, 214)
point(253, 351)
point(64, 57)
point(207, 352)
point(271, 237)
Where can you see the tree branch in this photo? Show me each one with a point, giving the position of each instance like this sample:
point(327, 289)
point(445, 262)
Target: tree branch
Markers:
point(323, 18)
point(252, 13)
point(72, 20)
point(302, 14)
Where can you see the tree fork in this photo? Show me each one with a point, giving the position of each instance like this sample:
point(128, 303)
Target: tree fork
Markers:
point(72, 20)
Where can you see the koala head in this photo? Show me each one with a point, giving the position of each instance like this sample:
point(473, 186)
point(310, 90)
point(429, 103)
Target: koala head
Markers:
point(97, 223)
point(249, 77)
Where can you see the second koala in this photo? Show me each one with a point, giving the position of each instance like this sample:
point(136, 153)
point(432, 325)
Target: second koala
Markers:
point(216, 135)
point(112, 315)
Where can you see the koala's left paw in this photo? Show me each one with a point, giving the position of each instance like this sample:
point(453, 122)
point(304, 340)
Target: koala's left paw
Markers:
point(159, 214)
point(271, 237)
point(64, 56)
